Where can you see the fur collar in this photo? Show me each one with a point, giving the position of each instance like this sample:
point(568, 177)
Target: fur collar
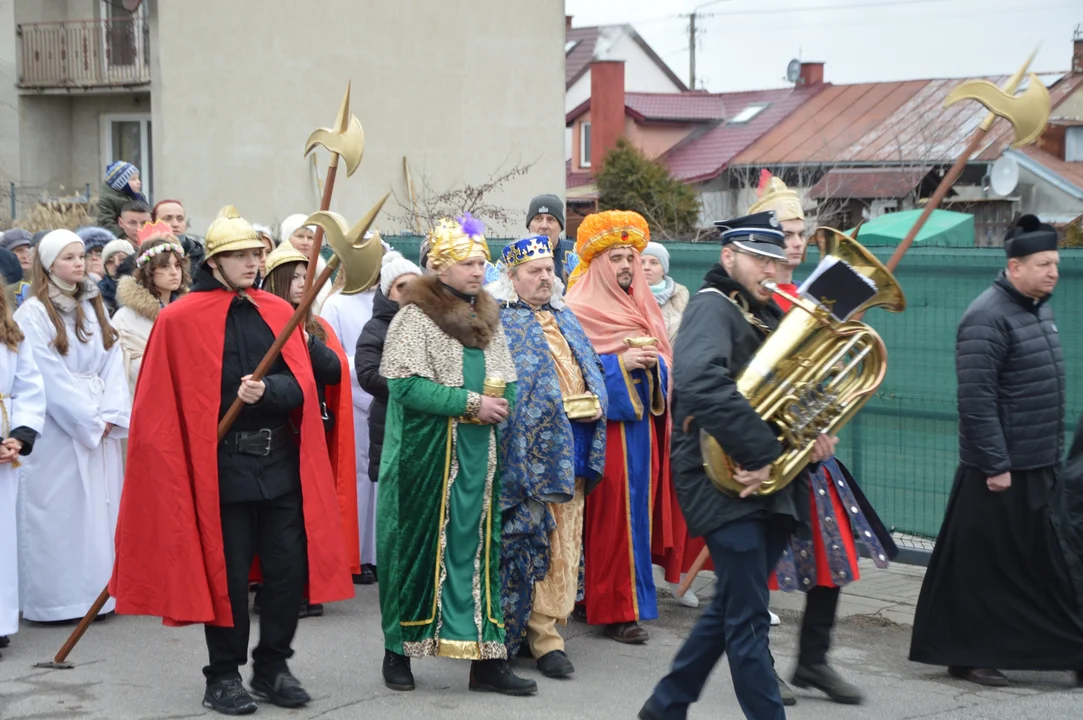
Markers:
point(135, 297)
point(472, 326)
point(66, 303)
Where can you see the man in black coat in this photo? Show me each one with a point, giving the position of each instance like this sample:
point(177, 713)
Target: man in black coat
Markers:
point(722, 328)
point(1004, 586)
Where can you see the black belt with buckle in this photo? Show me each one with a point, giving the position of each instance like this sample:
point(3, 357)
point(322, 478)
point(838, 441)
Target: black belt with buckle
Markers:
point(259, 442)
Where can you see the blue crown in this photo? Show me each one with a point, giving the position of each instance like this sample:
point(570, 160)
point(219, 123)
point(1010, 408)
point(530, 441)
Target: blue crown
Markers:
point(527, 249)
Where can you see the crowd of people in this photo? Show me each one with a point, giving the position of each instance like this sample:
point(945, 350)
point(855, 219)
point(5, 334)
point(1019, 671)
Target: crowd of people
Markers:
point(500, 443)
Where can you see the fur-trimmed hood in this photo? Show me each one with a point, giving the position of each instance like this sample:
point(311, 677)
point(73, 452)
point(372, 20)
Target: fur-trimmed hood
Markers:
point(473, 326)
point(135, 297)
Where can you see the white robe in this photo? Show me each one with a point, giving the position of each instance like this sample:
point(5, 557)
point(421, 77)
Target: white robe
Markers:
point(69, 493)
point(347, 315)
point(23, 397)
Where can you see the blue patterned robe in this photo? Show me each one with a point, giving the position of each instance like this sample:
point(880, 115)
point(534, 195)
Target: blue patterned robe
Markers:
point(543, 453)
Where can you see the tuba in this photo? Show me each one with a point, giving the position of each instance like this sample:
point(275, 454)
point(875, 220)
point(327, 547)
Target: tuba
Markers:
point(812, 374)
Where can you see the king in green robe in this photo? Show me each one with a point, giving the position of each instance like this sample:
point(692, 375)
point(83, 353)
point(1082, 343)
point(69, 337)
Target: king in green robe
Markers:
point(438, 520)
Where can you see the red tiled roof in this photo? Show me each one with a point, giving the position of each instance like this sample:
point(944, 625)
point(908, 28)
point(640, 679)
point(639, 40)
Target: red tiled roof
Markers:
point(883, 124)
point(867, 183)
point(706, 155)
point(688, 107)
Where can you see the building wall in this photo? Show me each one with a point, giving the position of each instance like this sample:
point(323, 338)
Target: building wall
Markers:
point(1072, 106)
point(654, 140)
point(459, 89)
point(45, 141)
point(88, 114)
point(9, 103)
point(1044, 199)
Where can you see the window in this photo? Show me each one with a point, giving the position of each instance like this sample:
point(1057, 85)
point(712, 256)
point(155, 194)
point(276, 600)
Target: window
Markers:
point(584, 145)
point(748, 113)
point(1073, 144)
point(570, 45)
point(128, 138)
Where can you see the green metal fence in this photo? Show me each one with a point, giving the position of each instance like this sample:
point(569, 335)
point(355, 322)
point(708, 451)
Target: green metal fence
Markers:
point(903, 446)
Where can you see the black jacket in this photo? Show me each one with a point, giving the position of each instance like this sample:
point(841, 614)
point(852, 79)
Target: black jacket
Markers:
point(714, 345)
point(251, 478)
point(327, 369)
point(1011, 382)
point(370, 351)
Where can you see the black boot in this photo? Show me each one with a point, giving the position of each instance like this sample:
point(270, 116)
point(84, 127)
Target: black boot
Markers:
point(315, 609)
point(283, 690)
point(4, 641)
point(496, 676)
point(229, 698)
point(397, 674)
point(826, 680)
point(555, 664)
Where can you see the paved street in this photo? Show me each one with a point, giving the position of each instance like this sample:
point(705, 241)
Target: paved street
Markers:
point(134, 668)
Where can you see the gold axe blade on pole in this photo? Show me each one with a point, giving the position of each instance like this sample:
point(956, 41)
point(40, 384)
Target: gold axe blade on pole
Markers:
point(345, 140)
point(1028, 113)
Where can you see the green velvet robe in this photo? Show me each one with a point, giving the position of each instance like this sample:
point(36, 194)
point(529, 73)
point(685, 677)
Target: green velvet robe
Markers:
point(438, 518)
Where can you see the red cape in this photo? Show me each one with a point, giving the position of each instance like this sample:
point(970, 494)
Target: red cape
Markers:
point(169, 557)
point(340, 447)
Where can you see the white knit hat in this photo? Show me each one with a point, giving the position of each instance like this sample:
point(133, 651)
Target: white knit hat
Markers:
point(290, 225)
point(114, 247)
point(395, 266)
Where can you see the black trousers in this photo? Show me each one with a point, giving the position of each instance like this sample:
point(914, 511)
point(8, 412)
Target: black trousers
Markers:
point(821, 604)
point(276, 530)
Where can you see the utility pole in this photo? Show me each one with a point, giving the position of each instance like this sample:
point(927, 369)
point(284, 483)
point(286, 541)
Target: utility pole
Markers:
point(692, 51)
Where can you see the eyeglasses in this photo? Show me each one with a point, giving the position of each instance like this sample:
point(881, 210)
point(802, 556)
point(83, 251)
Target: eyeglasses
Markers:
point(762, 260)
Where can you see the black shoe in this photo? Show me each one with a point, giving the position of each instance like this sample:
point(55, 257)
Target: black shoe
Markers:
point(229, 698)
point(649, 711)
point(982, 676)
point(788, 698)
point(367, 576)
point(284, 690)
point(397, 674)
point(826, 680)
point(302, 612)
point(4, 641)
point(496, 676)
point(315, 610)
point(629, 633)
point(555, 664)
point(579, 614)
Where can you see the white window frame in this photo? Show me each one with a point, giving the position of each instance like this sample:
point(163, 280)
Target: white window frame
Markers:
point(138, 18)
point(584, 153)
point(144, 120)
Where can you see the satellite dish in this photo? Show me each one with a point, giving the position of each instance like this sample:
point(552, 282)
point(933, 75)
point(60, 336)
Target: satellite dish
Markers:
point(793, 70)
point(1004, 175)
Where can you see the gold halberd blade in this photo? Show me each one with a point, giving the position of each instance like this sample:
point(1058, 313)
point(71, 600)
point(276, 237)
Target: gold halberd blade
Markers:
point(345, 139)
point(1028, 112)
point(360, 258)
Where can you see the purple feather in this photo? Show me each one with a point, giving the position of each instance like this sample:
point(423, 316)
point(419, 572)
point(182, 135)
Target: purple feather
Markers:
point(471, 225)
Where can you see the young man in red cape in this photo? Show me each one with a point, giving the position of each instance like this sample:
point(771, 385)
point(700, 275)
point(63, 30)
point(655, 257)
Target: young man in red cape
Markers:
point(195, 511)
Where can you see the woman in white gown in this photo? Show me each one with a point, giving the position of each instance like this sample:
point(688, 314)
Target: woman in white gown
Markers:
point(22, 397)
point(69, 491)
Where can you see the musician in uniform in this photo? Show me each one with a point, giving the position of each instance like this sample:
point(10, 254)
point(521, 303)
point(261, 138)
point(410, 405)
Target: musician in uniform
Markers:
point(723, 326)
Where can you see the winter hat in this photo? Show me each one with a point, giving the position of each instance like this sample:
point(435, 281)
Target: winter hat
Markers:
point(119, 174)
point(548, 204)
point(658, 250)
point(395, 266)
point(53, 243)
point(36, 237)
point(95, 237)
point(265, 231)
point(15, 237)
point(290, 225)
point(116, 246)
point(10, 268)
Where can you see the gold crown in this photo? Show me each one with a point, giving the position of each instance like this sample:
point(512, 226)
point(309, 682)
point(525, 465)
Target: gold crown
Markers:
point(450, 244)
point(230, 232)
point(281, 255)
point(776, 196)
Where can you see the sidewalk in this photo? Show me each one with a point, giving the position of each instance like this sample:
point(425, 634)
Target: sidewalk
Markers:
point(891, 594)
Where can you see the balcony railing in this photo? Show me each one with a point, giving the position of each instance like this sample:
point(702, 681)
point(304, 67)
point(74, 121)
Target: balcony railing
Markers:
point(84, 53)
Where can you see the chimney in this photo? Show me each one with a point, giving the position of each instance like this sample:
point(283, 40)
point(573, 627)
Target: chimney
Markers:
point(567, 22)
point(1077, 51)
point(812, 73)
point(606, 109)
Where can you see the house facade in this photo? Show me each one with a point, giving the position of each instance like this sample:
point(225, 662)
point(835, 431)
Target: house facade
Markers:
point(214, 101)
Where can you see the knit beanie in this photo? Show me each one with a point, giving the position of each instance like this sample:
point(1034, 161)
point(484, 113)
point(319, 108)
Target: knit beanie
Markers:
point(395, 266)
point(10, 268)
point(119, 174)
point(36, 237)
point(95, 237)
point(548, 204)
point(116, 246)
point(15, 237)
point(289, 227)
point(658, 250)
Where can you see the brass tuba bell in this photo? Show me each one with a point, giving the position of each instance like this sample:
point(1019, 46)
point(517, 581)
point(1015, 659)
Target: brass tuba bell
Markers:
point(812, 374)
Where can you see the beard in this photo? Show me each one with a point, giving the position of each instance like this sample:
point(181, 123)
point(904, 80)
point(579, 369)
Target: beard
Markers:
point(624, 280)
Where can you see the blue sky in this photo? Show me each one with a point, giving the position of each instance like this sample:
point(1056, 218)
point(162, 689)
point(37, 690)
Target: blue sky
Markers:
point(746, 44)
